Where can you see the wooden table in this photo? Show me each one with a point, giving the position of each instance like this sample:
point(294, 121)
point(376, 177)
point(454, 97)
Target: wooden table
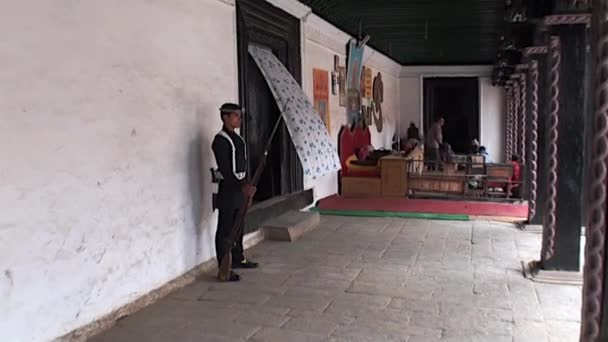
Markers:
point(394, 175)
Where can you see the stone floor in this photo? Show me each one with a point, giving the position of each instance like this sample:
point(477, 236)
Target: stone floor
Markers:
point(356, 279)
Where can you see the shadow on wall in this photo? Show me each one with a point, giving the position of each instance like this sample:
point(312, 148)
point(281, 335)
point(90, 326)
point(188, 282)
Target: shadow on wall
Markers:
point(195, 185)
point(199, 161)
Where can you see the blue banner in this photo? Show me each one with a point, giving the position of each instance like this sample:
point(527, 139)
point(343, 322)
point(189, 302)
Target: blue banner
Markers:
point(353, 82)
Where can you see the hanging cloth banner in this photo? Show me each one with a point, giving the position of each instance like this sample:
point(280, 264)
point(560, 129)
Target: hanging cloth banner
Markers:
point(353, 82)
point(308, 132)
point(320, 86)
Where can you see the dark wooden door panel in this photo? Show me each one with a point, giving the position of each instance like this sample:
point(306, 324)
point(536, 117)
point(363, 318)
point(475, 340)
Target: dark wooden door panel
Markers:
point(457, 101)
point(260, 23)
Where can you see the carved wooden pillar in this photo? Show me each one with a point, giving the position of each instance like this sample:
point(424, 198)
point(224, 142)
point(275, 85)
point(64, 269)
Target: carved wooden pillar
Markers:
point(515, 113)
point(595, 286)
point(509, 132)
point(537, 161)
point(523, 103)
point(566, 132)
point(549, 228)
point(522, 70)
point(532, 165)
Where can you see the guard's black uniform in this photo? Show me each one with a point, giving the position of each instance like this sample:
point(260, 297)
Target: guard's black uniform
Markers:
point(231, 158)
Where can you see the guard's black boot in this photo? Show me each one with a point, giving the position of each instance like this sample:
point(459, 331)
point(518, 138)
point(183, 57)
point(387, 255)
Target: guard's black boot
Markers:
point(244, 263)
point(233, 277)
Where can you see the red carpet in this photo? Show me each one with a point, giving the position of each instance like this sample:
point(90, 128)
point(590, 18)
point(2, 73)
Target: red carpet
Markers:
point(425, 206)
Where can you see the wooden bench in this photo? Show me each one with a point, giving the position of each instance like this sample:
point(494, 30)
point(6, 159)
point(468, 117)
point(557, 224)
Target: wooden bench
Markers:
point(436, 182)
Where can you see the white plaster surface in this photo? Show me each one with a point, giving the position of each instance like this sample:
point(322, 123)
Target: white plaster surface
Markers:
point(410, 103)
point(107, 111)
point(493, 119)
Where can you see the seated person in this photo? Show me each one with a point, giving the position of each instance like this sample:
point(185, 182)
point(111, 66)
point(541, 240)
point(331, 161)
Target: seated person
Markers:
point(410, 145)
point(513, 181)
point(364, 155)
point(474, 148)
point(362, 160)
point(416, 152)
point(446, 153)
point(415, 159)
point(377, 154)
point(516, 178)
point(484, 152)
point(413, 132)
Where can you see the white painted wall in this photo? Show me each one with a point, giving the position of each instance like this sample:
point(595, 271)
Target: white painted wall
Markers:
point(104, 107)
point(323, 41)
point(107, 112)
point(410, 102)
point(493, 119)
point(492, 107)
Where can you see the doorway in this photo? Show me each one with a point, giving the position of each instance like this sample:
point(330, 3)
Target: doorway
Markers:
point(456, 99)
point(268, 26)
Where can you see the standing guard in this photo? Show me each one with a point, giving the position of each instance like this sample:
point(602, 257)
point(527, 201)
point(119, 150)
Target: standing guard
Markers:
point(234, 190)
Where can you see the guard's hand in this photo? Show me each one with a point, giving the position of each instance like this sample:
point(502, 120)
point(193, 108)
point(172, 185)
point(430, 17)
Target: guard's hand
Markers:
point(249, 190)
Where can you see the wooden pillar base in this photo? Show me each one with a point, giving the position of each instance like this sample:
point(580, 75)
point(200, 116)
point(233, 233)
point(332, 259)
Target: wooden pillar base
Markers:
point(531, 270)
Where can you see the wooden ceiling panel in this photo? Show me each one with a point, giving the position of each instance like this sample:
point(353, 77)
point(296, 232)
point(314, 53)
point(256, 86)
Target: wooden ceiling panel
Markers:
point(418, 32)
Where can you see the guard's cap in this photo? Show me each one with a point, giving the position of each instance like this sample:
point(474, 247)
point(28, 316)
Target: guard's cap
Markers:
point(230, 108)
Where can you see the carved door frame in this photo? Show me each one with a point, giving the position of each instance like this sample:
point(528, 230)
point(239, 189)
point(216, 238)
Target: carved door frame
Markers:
point(262, 23)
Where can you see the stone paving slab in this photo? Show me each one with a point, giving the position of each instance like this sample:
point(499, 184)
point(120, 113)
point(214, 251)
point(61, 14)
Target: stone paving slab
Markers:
point(530, 331)
point(562, 331)
point(358, 333)
point(308, 303)
point(372, 279)
point(279, 335)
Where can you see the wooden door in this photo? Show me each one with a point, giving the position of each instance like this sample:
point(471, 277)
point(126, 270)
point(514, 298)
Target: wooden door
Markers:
point(456, 99)
point(260, 23)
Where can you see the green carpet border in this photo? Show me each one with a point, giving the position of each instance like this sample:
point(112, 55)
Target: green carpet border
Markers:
point(370, 213)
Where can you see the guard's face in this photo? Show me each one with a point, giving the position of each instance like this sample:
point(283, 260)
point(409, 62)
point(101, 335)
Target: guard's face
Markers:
point(234, 120)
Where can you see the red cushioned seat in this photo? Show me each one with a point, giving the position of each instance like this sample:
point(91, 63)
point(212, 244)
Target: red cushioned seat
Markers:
point(348, 142)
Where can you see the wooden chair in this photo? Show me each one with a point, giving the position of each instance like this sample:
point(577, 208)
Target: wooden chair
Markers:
point(499, 176)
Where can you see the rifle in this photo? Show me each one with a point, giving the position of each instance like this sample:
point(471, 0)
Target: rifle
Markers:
point(225, 267)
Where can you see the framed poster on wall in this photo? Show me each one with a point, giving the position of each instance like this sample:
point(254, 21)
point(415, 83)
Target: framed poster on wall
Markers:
point(320, 81)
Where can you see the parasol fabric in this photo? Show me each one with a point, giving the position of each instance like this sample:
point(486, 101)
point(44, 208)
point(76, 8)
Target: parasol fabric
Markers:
point(308, 132)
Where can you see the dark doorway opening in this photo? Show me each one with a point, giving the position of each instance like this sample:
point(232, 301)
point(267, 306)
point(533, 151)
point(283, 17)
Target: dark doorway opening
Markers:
point(262, 113)
point(261, 23)
point(456, 99)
